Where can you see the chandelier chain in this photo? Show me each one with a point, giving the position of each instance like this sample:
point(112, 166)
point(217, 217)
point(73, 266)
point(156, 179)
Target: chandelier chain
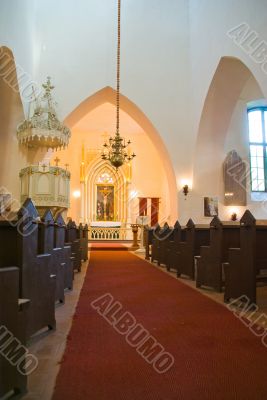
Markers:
point(117, 150)
point(118, 69)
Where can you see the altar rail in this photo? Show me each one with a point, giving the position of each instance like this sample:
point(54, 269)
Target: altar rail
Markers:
point(104, 233)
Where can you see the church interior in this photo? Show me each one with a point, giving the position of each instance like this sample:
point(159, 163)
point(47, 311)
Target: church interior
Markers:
point(133, 199)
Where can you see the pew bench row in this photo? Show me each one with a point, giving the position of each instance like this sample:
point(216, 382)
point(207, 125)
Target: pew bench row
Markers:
point(225, 256)
point(38, 258)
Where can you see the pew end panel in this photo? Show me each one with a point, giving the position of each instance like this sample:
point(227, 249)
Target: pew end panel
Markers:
point(69, 268)
point(195, 237)
point(207, 275)
point(72, 240)
point(179, 235)
point(42, 289)
point(154, 242)
point(185, 260)
point(166, 235)
point(240, 277)
point(13, 319)
point(246, 263)
point(58, 269)
point(223, 235)
point(148, 241)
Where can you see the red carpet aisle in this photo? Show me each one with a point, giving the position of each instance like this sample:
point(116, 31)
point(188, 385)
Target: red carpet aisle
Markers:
point(216, 357)
point(108, 246)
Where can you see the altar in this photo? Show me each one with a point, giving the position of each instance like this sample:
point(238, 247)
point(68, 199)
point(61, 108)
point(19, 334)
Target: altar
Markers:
point(105, 224)
point(104, 191)
point(107, 230)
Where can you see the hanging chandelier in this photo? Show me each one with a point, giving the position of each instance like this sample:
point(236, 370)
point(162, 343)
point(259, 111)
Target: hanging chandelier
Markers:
point(43, 128)
point(117, 150)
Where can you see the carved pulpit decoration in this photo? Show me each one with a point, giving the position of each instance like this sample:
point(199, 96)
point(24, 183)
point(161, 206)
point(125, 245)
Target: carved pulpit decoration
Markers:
point(235, 180)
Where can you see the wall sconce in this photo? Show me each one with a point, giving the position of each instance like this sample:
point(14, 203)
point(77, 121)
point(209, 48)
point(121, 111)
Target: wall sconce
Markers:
point(233, 213)
point(186, 186)
point(185, 190)
point(234, 216)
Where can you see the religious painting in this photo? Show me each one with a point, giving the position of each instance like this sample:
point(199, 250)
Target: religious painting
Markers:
point(235, 180)
point(105, 203)
point(210, 206)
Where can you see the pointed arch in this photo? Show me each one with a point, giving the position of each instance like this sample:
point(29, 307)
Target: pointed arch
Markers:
point(229, 80)
point(94, 170)
point(108, 94)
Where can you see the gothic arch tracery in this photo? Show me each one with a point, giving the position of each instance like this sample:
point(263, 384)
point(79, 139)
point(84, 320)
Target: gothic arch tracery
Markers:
point(100, 169)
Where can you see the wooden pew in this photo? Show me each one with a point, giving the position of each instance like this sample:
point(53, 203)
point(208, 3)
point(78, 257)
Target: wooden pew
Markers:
point(157, 235)
point(223, 235)
point(72, 239)
point(164, 244)
point(86, 241)
point(19, 246)
point(46, 245)
point(172, 252)
point(67, 258)
point(247, 264)
point(195, 236)
point(13, 317)
point(149, 234)
point(83, 235)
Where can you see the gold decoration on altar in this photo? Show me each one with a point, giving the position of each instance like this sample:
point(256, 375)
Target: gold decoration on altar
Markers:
point(95, 174)
point(42, 128)
point(105, 178)
point(89, 157)
point(128, 172)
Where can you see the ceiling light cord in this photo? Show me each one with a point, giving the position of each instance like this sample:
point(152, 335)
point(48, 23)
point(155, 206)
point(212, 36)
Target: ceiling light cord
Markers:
point(118, 69)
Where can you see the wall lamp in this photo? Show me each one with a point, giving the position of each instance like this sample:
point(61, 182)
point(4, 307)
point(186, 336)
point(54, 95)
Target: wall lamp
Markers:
point(234, 216)
point(234, 211)
point(186, 186)
point(185, 190)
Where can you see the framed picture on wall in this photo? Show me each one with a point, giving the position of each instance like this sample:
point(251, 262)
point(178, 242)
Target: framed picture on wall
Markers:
point(210, 206)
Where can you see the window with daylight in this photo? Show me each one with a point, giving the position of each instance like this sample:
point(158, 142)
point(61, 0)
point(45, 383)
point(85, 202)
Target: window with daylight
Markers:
point(257, 126)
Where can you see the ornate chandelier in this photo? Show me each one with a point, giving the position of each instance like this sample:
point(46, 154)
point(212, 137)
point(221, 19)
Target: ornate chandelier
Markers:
point(43, 129)
point(117, 150)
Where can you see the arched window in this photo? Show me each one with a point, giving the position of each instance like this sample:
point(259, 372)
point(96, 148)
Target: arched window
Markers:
point(257, 127)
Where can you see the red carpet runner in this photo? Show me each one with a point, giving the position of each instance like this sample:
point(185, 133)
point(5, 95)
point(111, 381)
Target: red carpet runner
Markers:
point(108, 246)
point(216, 356)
